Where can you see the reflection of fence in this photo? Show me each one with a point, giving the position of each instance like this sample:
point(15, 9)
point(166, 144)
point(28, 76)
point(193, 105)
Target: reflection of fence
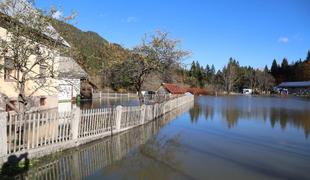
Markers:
point(92, 157)
point(43, 133)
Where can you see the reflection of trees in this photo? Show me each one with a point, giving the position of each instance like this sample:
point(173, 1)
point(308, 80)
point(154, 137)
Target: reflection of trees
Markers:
point(232, 110)
point(296, 118)
point(231, 115)
point(208, 112)
point(195, 112)
point(87, 159)
point(282, 116)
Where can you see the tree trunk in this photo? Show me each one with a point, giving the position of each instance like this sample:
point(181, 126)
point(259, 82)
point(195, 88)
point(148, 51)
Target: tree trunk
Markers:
point(141, 98)
point(22, 102)
point(22, 99)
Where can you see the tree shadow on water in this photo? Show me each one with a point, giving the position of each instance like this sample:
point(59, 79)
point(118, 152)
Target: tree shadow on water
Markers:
point(15, 166)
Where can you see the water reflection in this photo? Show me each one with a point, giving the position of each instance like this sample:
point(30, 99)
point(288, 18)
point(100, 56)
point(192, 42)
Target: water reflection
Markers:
point(154, 160)
point(104, 103)
point(88, 160)
point(290, 112)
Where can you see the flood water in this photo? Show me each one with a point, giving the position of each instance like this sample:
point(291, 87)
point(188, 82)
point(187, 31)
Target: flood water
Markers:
point(238, 137)
point(108, 103)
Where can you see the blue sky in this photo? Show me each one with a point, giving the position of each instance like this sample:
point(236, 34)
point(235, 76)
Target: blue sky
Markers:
point(252, 31)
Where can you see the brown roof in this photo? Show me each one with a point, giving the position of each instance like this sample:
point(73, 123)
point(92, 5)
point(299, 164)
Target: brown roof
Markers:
point(174, 89)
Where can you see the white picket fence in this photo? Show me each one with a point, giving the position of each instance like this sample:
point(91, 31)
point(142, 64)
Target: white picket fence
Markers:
point(89, 159)
point(42, 133)
point(113, 95)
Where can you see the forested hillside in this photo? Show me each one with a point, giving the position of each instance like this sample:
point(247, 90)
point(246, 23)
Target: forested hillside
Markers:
point(94, 53)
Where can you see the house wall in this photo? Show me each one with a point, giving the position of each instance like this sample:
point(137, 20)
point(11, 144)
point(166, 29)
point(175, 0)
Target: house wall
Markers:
point(9, 88)
point(68, 89)
point(162, 91)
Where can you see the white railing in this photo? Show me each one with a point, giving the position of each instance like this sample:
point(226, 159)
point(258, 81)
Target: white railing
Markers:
point(89, 159)
point(113, 95)
point(40, 134)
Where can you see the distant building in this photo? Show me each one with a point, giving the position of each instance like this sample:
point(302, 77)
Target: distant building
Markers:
point(299, 88)
point(170, 89)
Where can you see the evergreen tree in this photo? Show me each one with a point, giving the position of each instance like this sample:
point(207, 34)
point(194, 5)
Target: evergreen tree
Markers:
point(284, 64)
point(308, 57)
point(193, 69)
point(274, 67)
point(212, 70)
point(266, 70)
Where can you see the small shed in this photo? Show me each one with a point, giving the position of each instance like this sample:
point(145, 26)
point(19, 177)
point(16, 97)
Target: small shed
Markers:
point(70, 76)
point(171, 89)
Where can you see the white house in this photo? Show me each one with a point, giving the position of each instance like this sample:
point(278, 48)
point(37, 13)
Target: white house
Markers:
point(70, 75)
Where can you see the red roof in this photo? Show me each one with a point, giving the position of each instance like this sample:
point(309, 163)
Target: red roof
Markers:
point(174, 89)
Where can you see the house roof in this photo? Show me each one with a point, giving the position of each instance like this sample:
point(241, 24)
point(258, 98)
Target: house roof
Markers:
point(70, 69)
point(174, 89)
point(15, 7)
point(295, 84)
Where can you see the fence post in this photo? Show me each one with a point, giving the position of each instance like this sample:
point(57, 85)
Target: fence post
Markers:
point(155, 111)
point(75, 124)
point(3, 134)
point(164, 109)
point(119, 110)
point(142, 115)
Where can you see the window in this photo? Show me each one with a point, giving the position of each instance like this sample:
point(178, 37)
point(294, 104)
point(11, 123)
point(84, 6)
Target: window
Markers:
point(42, 101)
point(43, 70)
point(9, 69)
point(11, 106)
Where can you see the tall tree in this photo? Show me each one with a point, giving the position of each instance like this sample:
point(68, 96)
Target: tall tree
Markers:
point(274, 67)
point(284, 64)
point(308, 57)
point(230, 75)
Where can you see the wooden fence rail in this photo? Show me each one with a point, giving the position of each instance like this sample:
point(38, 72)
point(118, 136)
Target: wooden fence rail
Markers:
point(42, 133)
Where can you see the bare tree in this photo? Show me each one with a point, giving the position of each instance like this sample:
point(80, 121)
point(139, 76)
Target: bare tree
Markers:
point(265, 80)
point(156, 53)
point(31, 48)
point(230, 75)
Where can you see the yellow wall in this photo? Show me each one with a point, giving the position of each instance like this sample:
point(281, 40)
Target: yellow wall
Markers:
point(10, 88)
